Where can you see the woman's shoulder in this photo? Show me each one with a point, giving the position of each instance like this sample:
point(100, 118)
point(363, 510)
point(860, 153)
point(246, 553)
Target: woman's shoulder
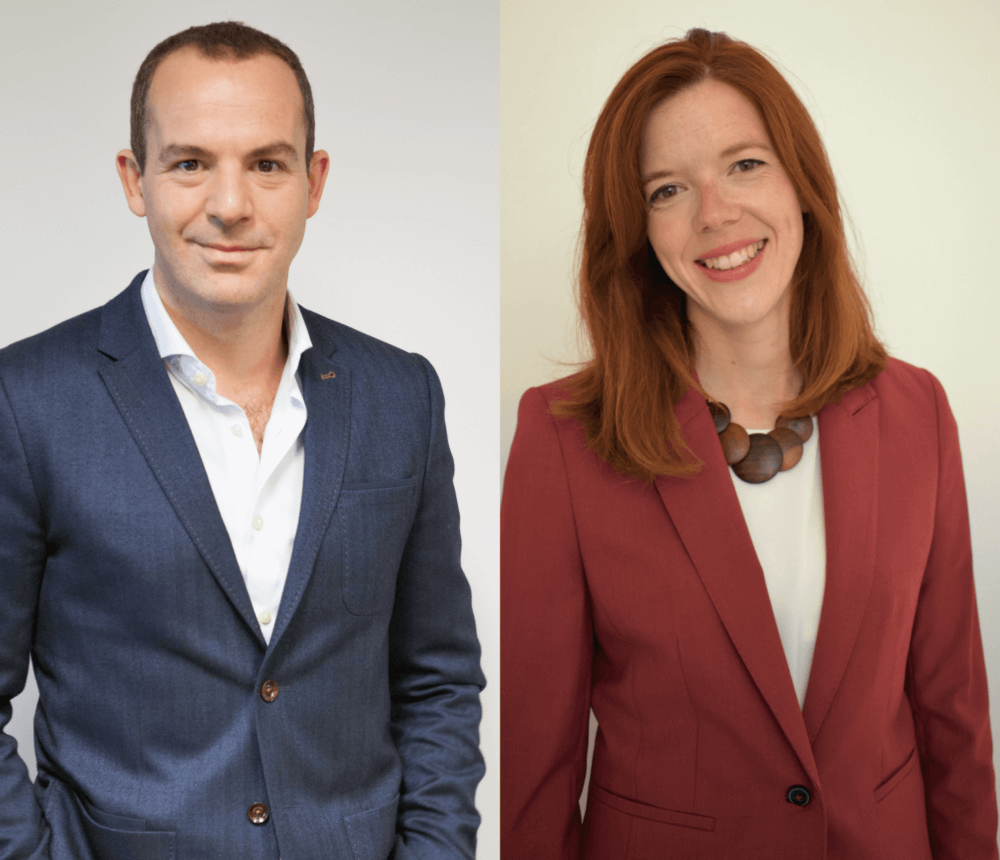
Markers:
point(539, 400)
point(905, 395)
point(908, 384)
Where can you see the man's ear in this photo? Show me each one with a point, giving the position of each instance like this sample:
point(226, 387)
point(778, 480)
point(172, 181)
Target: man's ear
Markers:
point(319, 167)
point(128, 172)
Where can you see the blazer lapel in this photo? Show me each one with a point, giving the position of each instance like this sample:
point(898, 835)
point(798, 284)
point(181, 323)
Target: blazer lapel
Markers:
point(706, 513)
point(848, 444)
point(326, 388)
point(140, 387)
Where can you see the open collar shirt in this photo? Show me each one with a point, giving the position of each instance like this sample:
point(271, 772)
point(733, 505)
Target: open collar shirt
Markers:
point(258, 495)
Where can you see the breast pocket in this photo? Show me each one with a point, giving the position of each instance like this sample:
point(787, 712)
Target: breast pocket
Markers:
point(375, 523)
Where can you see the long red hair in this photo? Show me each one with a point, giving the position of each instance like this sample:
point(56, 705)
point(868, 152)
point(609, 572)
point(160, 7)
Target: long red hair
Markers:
point(643, 349)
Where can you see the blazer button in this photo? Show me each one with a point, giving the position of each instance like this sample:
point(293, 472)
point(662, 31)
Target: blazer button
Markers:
point(258, 813)
point(799, 795)
point(269, 691)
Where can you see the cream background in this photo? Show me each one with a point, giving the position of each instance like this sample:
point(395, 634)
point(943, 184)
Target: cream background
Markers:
point(404, 245)
point(906, 101)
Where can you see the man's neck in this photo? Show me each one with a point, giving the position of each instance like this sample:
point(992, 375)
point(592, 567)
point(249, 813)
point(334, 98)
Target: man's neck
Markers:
point(246, 351)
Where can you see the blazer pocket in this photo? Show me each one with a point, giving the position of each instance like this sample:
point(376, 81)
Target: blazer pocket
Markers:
point(887, 785)
point(651, 813)
point(375, 524)
point(373, 832)
point(116, 837)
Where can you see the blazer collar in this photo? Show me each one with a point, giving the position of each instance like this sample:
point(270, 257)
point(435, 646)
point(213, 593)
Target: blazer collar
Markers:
point(848, 444)
point(140, 386)
point(326, 387)
point(707, 514)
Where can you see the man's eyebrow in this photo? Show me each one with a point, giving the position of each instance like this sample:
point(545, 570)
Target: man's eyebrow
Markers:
point(177, 151)
point(286, 150)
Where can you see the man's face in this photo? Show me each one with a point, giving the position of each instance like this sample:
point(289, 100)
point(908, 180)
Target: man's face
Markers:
point(225, 191)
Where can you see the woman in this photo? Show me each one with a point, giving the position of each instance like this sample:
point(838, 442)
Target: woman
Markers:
point(777, 632)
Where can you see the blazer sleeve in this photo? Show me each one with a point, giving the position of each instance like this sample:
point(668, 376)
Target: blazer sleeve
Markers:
point(946, 674)
point(22, 563)
point(547, 646)
point(434, 671)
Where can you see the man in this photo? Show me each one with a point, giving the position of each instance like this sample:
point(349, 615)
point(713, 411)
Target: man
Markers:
point(230, 538)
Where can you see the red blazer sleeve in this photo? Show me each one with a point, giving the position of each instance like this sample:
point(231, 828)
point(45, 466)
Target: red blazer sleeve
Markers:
point(547, 643)
point(946, 674)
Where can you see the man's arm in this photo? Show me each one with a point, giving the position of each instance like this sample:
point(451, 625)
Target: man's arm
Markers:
point(434, 669)
point(22, 562)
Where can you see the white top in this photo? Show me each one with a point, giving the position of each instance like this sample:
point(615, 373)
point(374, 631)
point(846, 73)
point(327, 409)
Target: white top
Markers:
point(785, 519)
point(259, 495)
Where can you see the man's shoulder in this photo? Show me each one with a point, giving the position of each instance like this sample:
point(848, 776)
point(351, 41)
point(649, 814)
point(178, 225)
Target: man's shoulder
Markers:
point(361, 351)
point(64, 344)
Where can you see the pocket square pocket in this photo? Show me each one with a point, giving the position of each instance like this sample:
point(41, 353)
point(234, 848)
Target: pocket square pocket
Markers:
point(374, 527)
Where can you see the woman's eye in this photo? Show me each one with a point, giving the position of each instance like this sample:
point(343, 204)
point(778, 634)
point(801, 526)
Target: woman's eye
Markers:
point(662, 193)
point(747, 164)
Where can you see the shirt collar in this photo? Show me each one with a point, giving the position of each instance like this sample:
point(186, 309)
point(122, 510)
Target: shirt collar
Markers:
point(179, 356)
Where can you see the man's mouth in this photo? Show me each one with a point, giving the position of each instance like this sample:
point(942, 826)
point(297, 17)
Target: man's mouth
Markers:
point(734, 260)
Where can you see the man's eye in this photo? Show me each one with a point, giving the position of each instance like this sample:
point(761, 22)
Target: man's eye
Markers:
point(267, 166)
point(189, 166)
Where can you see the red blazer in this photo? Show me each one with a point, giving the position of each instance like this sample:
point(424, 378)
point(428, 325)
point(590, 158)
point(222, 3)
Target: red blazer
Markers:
point(648, 604)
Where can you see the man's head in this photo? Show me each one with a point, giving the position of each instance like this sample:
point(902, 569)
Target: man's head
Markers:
point(225, 40)
point(226, 179)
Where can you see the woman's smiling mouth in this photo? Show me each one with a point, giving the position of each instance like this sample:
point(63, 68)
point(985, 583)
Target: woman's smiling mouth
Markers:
point(735, 264)
point(734, 260)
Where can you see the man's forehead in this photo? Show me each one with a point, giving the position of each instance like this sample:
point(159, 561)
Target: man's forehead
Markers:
point(187, 74)
point(188, 86)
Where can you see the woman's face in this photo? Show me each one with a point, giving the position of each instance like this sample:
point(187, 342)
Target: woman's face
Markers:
point(723, 218)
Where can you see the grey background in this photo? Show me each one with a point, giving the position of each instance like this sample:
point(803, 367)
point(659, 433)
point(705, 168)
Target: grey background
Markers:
point(404, 246)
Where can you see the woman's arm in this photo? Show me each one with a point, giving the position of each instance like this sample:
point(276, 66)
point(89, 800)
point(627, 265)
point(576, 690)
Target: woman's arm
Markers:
point(547, 643)
point(946, 675)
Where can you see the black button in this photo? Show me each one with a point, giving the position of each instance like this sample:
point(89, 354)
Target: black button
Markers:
point(258, 813)
point(799, 795)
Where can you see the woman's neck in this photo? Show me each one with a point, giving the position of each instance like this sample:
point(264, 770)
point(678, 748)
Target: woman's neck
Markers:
point(752, 374)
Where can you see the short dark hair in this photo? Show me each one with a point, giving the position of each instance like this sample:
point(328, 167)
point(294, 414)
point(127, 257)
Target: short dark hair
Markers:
point(224, 40)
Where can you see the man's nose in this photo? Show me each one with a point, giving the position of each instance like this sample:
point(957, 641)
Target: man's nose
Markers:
point(229, 199)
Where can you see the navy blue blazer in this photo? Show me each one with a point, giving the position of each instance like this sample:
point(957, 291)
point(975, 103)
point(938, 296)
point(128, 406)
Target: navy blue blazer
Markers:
point(155, 735)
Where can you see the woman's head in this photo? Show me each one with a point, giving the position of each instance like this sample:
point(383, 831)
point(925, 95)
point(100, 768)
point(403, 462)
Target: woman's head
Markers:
point(723, 219)
point(637, 316)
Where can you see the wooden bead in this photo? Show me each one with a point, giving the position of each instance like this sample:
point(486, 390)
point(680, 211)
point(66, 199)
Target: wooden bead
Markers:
point(762, 463)
point(791, 446)
point(720, 415)
point(735, 443)
point(803, 427)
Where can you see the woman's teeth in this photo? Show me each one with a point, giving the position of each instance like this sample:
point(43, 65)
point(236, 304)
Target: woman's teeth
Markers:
point(737, 258)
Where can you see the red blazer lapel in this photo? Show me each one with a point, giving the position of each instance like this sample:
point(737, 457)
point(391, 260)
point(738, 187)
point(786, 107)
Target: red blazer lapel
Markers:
point(707, 515)
point(848, 445)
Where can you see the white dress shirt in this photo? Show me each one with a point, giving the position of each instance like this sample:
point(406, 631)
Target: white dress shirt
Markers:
point(258, 495)
point(785, 519)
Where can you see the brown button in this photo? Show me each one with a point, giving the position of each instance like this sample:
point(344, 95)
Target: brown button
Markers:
point(269, 691)
point(258, 813)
